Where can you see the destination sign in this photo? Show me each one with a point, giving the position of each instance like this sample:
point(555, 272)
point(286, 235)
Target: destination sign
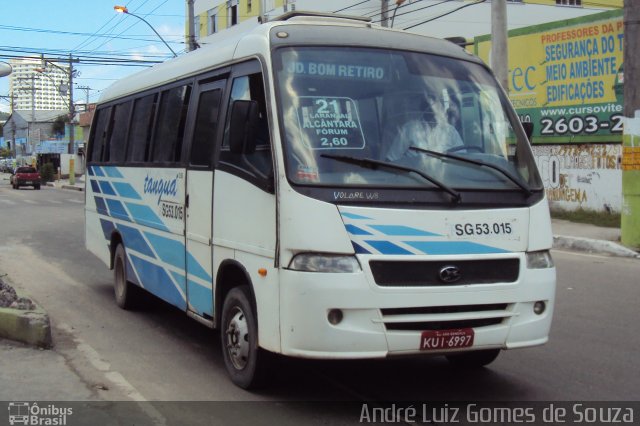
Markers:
point(330, 123)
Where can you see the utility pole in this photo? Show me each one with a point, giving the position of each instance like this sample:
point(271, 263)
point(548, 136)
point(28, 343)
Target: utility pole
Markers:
point(499, 49)
point(191, 41)
point(86, 93)
point(384, 11)
point(630, 218)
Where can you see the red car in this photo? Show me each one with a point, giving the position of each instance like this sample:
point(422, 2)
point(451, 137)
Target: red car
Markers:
point(25, 176)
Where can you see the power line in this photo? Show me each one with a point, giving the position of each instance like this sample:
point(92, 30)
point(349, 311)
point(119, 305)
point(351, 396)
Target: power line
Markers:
point(349, 7)
point(445, 14)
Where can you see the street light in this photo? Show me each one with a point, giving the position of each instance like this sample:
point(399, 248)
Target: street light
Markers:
point(123, 9)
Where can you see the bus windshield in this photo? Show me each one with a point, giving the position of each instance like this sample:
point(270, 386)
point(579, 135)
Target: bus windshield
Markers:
point(340, 106)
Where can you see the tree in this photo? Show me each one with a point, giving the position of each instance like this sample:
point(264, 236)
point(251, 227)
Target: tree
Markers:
point(59, 125)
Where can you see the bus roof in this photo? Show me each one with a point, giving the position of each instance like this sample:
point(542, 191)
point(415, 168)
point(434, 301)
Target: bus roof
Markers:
point(236, 43)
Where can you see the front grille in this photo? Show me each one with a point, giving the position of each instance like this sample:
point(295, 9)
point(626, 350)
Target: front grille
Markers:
point(427, 273)
point(444, 309)
point(444, 317)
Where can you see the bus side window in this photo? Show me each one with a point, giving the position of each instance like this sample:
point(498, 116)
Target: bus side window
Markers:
point(100, 130)
point(259, 163)
point(204, 135)
point(140, 130)
point(169, 128)
point(119, 132)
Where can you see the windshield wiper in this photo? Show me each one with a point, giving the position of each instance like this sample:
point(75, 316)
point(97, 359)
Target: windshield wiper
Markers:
point(502, 170)
point(375, 164)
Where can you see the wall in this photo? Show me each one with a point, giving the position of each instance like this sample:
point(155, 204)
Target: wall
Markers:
point(565, 78)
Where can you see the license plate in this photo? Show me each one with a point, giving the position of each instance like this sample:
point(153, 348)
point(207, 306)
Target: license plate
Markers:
point(28, 182)
point(446, 339)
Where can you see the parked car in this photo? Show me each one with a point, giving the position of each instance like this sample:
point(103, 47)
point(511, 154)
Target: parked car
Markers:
point(25, 176)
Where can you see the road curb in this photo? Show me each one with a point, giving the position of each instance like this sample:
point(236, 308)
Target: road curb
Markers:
point(590, 245)
point(30, 326)
point(65, 186)
point(75, 188)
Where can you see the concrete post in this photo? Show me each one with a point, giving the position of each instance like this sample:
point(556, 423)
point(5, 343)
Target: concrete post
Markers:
point(630, 218)
point(384, 11)
point(499, 52)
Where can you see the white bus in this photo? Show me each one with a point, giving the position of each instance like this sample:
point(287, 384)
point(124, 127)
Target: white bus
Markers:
point(320, 187)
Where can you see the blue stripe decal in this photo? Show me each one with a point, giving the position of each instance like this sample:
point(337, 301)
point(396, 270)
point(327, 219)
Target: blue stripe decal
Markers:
point(116, 209)
point(354, 216)
point(106, 188)
point(143, 215)
point(107, 228)
point(131, 275)
point(354, 230)
point(386, 247)
point(125, 190)
point(194, 268)
point(156, 280)
point(169, 251)
point(113, 172)
point(101, 207)
point(95, 187)
point(133, 240)
point(98, 171)
point(401, 230)
point(359, 249)
point(453, 247)
point(200, 298)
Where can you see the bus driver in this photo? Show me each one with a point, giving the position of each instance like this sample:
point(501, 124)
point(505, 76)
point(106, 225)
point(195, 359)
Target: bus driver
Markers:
point(435, 133)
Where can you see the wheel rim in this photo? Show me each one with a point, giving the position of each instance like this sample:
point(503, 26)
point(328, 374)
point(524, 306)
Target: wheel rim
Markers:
point(237, 339)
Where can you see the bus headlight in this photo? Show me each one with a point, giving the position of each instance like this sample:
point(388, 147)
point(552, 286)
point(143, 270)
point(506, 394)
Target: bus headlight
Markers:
point(539, 260)
point(314, 262)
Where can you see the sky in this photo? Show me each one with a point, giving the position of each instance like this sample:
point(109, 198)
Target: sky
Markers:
point(34, 27)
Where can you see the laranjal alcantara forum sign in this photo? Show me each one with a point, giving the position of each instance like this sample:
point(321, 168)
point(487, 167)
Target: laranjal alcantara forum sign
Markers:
point(566, 77)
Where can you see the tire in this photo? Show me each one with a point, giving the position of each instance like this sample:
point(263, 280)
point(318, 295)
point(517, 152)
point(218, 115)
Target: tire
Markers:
point(127, 294)
point(474, 359)
point(246, 363)
point(36, 186)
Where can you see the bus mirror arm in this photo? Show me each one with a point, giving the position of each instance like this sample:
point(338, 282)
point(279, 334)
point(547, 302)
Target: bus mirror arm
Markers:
point(244, 120)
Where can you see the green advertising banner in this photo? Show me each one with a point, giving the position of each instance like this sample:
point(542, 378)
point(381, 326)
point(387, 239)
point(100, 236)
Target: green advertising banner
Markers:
point(566, 77)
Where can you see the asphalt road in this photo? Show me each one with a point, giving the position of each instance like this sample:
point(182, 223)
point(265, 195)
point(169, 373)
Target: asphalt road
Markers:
point(158, 354)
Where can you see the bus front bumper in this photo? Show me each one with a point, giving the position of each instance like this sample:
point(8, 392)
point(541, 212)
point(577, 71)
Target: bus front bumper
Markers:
point(380, 322)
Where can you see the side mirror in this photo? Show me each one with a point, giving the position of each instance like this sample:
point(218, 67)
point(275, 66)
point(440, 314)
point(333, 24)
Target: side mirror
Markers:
point(242, 126)
point(528, 129)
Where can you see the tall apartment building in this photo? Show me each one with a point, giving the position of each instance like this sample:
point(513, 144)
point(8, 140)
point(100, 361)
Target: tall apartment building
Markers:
point(35, 88)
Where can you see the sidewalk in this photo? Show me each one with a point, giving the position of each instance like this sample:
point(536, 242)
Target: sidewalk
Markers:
point(78, 185)
point(589, 238)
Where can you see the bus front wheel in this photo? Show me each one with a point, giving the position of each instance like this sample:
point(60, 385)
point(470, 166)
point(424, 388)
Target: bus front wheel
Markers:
point(474, 359)
point(244, 360)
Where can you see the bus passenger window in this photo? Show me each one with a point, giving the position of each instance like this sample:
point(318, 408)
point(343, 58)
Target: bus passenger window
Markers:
point(140, 131)
point(119, 132)
point(167, 143)
point(99, 134)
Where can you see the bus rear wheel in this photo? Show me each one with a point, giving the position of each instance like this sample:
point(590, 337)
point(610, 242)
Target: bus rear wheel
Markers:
point(244, 360)
point(474, 359)
point(127, 295)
